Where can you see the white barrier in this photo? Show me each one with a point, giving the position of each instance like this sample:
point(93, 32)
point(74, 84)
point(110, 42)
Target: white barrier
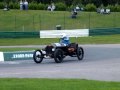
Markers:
point(70, 33)
point(1, 56)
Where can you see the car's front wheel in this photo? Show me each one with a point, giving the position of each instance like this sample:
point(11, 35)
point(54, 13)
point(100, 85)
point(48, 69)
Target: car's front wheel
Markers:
point(38, 56)
point(58, 56)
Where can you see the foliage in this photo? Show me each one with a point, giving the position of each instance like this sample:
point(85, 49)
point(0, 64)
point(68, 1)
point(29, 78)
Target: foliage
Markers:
point(1, 5)
point(13, 5)
point(33, 6)
point(60, 6)
point(115, 8)
point(70, 2)
point(41, 6)
point(90, 7)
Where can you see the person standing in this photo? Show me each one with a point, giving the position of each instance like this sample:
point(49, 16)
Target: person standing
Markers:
point(49, 8)
point(77, 8)
point(26, 5)
point(52, 7)
point(21, 5)
point(74, 13)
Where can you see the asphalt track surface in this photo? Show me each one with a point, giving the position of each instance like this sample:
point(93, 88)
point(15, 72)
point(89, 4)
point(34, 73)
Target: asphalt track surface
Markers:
point(101, 62)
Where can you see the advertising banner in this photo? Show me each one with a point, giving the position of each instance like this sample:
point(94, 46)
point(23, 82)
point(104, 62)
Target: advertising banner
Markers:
point(70, 33)
point(19, 55)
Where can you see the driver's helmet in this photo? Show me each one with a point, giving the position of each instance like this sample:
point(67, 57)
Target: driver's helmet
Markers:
point(64, 39)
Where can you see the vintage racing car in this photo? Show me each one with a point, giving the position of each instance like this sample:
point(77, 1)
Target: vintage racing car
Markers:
point(58, 52)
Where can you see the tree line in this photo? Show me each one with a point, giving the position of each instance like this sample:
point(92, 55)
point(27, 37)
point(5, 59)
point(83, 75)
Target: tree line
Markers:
point(72, 2)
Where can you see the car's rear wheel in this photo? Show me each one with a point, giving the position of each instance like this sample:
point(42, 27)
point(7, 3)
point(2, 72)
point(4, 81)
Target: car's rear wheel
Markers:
point(58, 56)
point(38, 56)
point(80, 53)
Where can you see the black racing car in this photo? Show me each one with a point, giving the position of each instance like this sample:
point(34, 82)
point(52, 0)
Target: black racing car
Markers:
point(58, 52)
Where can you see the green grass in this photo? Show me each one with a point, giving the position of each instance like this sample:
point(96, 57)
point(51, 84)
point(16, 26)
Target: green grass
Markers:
point(108, 39)
point(56, 84)
point(17, 49)
point(35, 20)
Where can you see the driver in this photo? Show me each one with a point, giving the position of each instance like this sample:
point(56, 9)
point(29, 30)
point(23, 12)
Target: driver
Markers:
point(65, 40)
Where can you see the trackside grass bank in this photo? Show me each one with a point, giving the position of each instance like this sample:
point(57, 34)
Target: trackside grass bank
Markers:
point(108, 39)
point(56, 84)
point(35, 20)
point(17, 49)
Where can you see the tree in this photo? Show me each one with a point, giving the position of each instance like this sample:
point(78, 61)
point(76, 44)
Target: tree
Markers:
point(70, 2)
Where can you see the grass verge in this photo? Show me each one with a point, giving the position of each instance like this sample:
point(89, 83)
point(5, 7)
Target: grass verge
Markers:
point(108, 39)
point(17, 49)
point(56, 84)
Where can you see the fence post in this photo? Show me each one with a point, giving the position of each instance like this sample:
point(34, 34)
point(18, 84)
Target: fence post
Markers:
point(64, 20)
point(114, 20)
point(33, 23)
point(15, 23)
point(89, 19)
point(40, 22)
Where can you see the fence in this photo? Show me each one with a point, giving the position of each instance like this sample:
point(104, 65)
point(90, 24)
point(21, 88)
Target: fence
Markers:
point(46, 20)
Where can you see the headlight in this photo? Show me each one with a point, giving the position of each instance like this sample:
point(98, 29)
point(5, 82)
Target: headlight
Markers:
point(53, 49)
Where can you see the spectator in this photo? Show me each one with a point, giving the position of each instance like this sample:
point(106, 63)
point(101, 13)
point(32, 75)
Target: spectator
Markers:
point(82, 9)
point(49, 8)
point(21, 5)
point(26, 5)
point(77, 8)
point(98, 10)
point(107, 11)
point(52, 7)
point(102, 10)
point(74, 13)
point(6, 8)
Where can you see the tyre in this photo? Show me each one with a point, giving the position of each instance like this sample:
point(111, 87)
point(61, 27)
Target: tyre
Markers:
point(58, 55)
point(38, 56)
point(80, 53)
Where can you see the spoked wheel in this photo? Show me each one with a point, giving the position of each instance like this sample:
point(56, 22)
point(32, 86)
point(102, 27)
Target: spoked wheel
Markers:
point(58, 56)
point(80, 53)
point(38, 56)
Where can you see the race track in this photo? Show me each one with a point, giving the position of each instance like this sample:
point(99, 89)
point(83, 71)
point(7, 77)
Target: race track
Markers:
point(101, 62)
